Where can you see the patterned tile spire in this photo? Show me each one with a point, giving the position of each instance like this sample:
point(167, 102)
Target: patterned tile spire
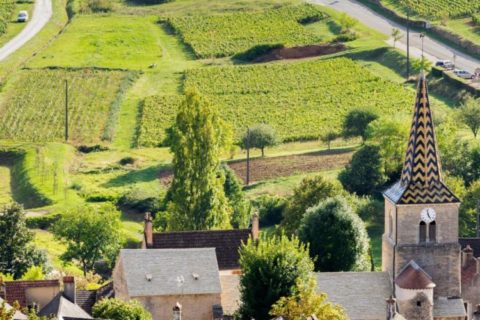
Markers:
point(421, 180)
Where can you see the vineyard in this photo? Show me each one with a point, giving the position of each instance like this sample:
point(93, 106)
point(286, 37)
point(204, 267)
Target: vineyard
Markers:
point(229, 34)
point(301, 100)
point(34, 108)
point(6, 10)
point(440, 8)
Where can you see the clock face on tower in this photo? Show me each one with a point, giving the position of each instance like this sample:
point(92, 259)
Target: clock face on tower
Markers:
point(428, 215)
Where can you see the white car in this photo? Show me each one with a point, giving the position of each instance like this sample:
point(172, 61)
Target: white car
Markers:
point(463, 74)
point(446, 64)
point(22, 16)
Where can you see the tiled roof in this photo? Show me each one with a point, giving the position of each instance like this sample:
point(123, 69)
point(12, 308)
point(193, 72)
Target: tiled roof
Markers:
point(474, 243)
point(15, 290)
point(414, 277)
point(62, 308)
point(87, 298)
point(361, 294)
point(449, 308)
point(158, 272)
point(226, 243)
point(421, 181)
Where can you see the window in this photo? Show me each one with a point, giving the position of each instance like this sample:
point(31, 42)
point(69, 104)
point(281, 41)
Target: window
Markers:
point(423, 232)
point(432, 232)
point(419, 303)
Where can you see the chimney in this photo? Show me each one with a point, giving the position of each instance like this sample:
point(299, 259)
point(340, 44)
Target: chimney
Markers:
point(69, 289)
point(467, 255)
point(476, 313)
point(391, 308)
point(255, 226)
point(148, 230)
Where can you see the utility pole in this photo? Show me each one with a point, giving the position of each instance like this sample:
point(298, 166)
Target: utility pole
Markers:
point(408, 44)
point(422, 37)
point(248, 156)
point(66, 110)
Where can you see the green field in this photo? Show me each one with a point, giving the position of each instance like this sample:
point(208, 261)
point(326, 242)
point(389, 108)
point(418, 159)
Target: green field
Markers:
point(439, 8)
point(301, 100)
point(127, 42)
point(7, 8)
point(228, 34)
point(34, 108)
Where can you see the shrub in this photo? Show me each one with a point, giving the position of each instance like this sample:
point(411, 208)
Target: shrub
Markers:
point(141, 200)
point(115, 309)
point(43, 222)
point(270, 209)
point(127, 160)
point(94, 148)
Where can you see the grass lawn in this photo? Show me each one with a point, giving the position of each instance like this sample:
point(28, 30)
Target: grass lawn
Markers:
point(15, 27)
point(129, 42)
point(5, 190)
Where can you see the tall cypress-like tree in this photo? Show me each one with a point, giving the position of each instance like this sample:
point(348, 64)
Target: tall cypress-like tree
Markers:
point(197, 197)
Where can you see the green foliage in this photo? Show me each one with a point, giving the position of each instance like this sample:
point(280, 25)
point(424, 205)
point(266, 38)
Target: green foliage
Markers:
point(232, 33)
point(308, 193)
point(141, 200)
point(337, 237)
point(116, 309)
point(328, 137)
point(6, 10)
point(440, 8)
point(300, 100)
point(91, 233)
point(365, 173)
point(259, 136)
point(34, 273)
point(197, 197)
point(468, 211)
point(305, 302)
point(396, 36)
point(241, 206)
point(390, 136)
point(95, 6)
point(271, 268)
point(356, 122)
point(270, 209)
point(17, 254)
point(476, 19)
point(347, 22)
point(469, 114)
point(40, 95)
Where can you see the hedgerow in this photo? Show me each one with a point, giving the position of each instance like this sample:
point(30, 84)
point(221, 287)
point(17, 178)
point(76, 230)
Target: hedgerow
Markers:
point(34, 109)
point(233, 33)
point(300, 100)
point(441, 8)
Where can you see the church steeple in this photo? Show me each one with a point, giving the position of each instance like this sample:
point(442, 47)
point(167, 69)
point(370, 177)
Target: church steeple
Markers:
point(421, 180)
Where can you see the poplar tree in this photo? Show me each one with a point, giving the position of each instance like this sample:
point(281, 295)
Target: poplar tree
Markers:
point(197, 198)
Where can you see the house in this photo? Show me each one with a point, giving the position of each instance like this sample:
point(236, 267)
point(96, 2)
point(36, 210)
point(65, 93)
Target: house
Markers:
point(162, 278)
point(29, 293)
point(226, 242)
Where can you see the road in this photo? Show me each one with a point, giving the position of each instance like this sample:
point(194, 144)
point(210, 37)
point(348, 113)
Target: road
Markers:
point(433, 50)
point(42, 13)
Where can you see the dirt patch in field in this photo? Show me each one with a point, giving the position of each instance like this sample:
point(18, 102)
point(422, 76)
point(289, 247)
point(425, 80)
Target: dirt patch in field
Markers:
point(302, 52)
point(276, 167)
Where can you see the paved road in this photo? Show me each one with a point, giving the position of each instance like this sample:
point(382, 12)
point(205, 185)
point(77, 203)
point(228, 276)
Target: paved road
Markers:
point(433, 49)
point(41, 15)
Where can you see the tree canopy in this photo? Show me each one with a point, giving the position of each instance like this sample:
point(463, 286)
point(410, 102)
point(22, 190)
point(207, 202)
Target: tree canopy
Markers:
point(469, 114)
point(197, 196)
point(17, 252)
point(307, 194)
point(270, 268)
point(233, 190)
point(337, 237)
point(91, 233)
point(356, 122)
point(116, 309)
point(260, 137)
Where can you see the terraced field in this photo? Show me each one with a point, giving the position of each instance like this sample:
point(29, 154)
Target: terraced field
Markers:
point(34, 110)
point(301, 100)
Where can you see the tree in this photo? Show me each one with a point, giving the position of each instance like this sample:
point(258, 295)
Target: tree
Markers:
point(260, 137)
point(270, 268)
point(17, 253)
point(307, 194)
point(305, 302)
point(116, 309)
point(337, 237)
point(233, 190)
point(390, 136)
point(34, 273)
point(197, 198)
point(91, 233)
point(347, 22)
point(356, 122)
point(468, 211)
point(469, 114)
point(365, 173)
point(396, 36)
point(329, 137)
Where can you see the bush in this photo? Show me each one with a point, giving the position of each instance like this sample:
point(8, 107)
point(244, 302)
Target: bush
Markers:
point(270, 209)
point(141, 200)
point(127, 160)
point(42, 222)
point(337, 237)
point(256, 52)
point(94, 148)
point(346, 37)
point(115, 309)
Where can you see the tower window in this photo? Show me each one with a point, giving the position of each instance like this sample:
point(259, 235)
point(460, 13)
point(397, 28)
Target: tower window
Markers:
point(432, 232)
point(419, 303)
point(423, 232)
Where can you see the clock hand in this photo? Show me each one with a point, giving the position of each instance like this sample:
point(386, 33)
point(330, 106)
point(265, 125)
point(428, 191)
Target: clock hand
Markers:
point(428, 214)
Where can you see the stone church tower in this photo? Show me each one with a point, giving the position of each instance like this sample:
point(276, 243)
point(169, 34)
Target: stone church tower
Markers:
point(421, 216)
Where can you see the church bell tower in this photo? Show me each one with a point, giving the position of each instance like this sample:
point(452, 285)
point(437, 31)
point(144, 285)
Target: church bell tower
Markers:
point(421, 213)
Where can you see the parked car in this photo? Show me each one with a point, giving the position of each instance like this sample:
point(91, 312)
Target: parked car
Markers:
point(22, 16)
point(446, 64)
point(463, 74)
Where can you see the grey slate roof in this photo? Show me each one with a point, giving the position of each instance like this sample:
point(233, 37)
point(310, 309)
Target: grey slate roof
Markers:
point(448, 308)
point(361, 294)
point(61, 308)
point(18, 315)
point(164, 267)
